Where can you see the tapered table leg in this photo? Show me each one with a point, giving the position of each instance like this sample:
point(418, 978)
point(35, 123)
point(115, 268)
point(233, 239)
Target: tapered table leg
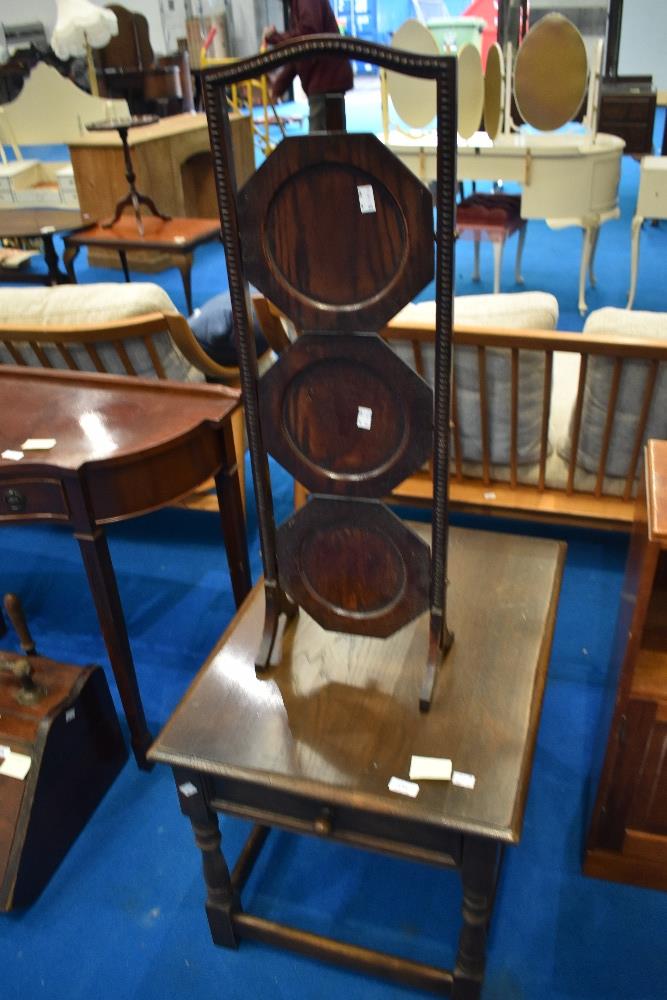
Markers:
point(233, 520)
point(103, 586)
point(184, 265)
point(634, 258)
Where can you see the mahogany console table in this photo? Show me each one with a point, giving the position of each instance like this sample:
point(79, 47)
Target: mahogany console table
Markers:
point(311, 744)
point(123, 446)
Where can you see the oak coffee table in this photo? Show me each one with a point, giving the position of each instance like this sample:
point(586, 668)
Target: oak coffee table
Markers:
point(311, 744)
point(177, 238)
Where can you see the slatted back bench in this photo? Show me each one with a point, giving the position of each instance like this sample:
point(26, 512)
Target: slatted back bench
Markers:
point(595, 398)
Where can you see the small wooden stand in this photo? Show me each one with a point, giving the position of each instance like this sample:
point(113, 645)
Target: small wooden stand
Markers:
point(133, 197)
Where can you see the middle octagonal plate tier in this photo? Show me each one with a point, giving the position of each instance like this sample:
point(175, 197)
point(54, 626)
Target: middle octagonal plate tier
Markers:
point(353, 566)
point(336, 231)
point(345, 415)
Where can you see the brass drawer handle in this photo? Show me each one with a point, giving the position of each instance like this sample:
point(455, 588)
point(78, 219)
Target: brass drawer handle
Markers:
point(324, 823)
point(15, 500)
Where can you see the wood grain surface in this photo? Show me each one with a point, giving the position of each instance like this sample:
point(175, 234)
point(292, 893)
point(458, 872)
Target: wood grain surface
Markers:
point(339, 716)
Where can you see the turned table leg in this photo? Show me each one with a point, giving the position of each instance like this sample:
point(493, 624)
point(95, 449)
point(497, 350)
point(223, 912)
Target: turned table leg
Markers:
point(222, 901)
point(479, 875)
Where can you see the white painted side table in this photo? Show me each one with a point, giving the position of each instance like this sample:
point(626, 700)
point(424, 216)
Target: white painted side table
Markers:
point(651, 204)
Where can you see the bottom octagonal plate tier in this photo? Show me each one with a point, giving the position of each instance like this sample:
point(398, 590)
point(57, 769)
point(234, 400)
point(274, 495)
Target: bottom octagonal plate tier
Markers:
point(353, 566)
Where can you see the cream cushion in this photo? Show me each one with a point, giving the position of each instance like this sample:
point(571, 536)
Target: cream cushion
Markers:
point(624, 324)
point(520, 310)
point(86, 305)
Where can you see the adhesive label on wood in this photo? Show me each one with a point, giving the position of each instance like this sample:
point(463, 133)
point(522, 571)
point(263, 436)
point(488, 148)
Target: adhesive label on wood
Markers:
point(314, 424)
point(336, 231)
point(366, 199)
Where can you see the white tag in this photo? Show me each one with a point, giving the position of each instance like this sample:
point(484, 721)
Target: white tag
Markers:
point(366, 198)
point(13, 456)
point(430, 768)
point(4, 751)
point(188, 789)
point(70, 715)
point(403, 787)
point(15, 765)
point(364, 418)
point(490, 495)
point(463, 779)
point(38, 444)
point(47, 229)
point(179, 239)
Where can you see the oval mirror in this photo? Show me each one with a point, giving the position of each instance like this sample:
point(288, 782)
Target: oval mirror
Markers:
point(551, 73)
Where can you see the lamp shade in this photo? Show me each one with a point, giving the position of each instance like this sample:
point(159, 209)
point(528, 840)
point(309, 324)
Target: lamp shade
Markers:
point(80, 22)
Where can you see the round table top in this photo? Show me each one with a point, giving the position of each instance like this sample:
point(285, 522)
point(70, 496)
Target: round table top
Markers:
point(40, 221)
point(114, 124)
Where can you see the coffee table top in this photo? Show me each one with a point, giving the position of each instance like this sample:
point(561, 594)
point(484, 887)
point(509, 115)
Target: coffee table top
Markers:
point(34, 221)
point(179, 235)
point(339, 716)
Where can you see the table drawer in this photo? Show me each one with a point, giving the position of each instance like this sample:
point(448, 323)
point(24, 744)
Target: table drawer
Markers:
point(28, 498)
point(353, 825)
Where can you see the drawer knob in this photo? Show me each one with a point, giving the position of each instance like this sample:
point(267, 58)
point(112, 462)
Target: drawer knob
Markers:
point(15, 500)
point(323, 823)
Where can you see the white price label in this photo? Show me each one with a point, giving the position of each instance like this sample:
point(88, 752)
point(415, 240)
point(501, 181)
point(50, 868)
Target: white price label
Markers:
point(38, 444)
point(187, 789)
point(366, 199)
point(463, 779)
point(403, 787)
point(15, 765)
point(430, 768)
point(364, 418)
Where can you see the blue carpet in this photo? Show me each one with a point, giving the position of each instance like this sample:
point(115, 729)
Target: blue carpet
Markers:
point(123, 917)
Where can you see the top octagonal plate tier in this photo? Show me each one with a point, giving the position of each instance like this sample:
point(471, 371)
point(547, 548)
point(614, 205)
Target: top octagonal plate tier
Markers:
point(336, 232)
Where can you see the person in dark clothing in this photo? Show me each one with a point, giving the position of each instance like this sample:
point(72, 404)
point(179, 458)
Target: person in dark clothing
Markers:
point(324, 79)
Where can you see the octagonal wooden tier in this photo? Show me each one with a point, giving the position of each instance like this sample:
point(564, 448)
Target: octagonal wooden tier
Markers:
point(345, 415)
point(354, 566)
point(336, 232)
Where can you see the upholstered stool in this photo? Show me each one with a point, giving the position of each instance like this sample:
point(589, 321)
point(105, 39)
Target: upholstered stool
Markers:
point(492, 217)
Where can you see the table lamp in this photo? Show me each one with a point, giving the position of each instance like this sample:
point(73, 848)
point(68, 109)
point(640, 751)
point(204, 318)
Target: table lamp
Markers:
point(80, 27)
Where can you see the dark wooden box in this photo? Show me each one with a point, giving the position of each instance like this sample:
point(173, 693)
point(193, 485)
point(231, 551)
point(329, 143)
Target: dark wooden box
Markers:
point(627, 109)
point(74, 741)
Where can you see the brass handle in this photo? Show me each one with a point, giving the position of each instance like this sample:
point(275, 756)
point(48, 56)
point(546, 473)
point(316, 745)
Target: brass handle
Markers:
point(324, 823)
point(15, 500)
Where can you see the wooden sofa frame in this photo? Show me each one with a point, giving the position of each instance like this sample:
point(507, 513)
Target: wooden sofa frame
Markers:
point(490, 496)
point(493, 497)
